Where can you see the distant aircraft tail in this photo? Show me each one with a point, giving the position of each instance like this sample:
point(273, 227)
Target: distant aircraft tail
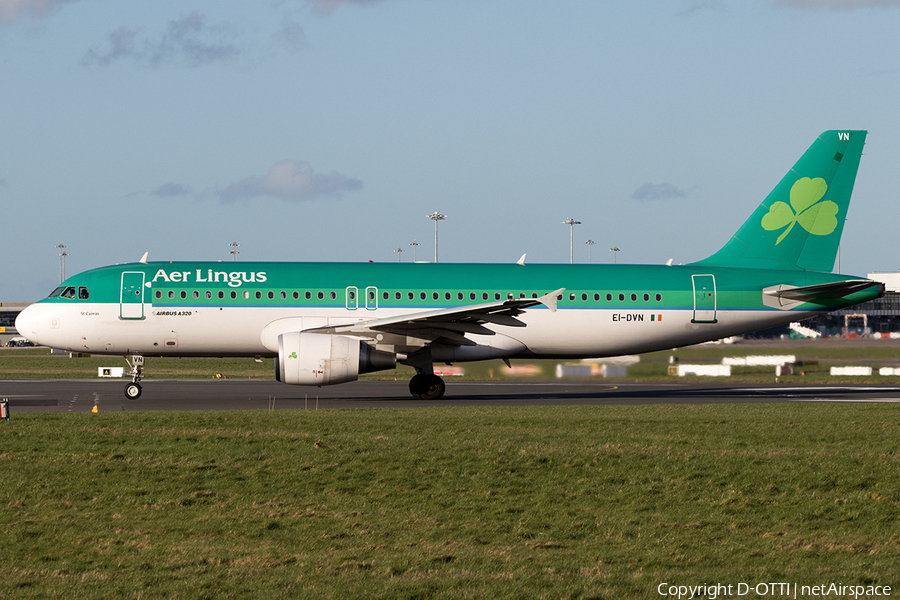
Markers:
point(799, 224)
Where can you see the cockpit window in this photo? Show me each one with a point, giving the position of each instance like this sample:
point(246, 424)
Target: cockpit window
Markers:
point(56, 292)
point(83, 293)
point(69, 292)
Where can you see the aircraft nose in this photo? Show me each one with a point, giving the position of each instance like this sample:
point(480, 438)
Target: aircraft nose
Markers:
point(30, 323)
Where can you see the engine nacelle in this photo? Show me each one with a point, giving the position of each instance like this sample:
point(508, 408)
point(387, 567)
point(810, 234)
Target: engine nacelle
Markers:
point(324, 359)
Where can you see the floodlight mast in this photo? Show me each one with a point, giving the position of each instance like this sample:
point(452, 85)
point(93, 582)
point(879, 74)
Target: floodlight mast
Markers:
point(571, 223)
point(589, 244)
point(436, 216)
point(62, 261)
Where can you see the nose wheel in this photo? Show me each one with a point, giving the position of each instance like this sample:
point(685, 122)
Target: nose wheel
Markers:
point(133, 389)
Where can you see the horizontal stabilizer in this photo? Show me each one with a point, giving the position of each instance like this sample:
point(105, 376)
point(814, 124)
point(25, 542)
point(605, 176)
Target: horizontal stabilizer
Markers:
point(788, 296)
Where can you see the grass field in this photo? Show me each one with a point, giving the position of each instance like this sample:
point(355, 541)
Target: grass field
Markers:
point(571, 502)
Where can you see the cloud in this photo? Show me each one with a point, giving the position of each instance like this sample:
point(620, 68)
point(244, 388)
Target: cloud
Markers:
point(326, 7)
point(292, 33)
point(172, 189)
point(293, 181)
point(657, 191)
point(11, 10)
point(698, 6)
point(187, 40)
point(836, 4)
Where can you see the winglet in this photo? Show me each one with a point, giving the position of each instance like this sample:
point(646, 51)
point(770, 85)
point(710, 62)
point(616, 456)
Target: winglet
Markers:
point(549, 300)
point(521, 261)
point(144, 258)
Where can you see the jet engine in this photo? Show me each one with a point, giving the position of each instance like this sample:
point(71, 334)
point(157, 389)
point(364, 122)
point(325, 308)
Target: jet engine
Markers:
point(325, 359)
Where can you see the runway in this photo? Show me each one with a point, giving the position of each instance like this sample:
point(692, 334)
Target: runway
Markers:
point(81, 395)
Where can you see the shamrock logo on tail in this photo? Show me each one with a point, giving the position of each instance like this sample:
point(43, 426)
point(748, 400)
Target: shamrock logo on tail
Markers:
point(818, 218)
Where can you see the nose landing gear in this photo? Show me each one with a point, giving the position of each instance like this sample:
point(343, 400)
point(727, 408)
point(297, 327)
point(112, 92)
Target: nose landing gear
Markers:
point(133, 389)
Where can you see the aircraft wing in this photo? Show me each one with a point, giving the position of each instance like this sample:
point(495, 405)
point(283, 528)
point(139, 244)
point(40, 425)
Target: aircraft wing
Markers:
point(787, 296)
point(449, 325)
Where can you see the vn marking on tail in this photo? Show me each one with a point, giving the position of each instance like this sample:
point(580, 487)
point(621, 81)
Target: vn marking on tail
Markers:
point(844, 136)
point(818, 218)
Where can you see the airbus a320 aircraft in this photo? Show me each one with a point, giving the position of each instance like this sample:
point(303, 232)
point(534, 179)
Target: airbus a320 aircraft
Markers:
point(325, 323)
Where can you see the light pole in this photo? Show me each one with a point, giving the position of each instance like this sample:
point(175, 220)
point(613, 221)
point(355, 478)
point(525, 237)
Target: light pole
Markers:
point(615, 250)
point(234, 251)
point(436, 216)
point(398, 251)
point(571, 223)
point(589, 244)
point(62, 261)
point(414, 244)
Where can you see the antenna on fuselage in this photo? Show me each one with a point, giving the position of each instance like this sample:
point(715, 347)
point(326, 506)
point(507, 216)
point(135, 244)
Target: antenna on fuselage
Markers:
point(144, 258)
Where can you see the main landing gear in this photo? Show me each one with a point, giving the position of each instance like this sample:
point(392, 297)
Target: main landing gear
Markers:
point(426, 386)
point(133, 389)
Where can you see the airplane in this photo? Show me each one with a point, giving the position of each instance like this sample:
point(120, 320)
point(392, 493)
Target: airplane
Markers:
point(327, 323)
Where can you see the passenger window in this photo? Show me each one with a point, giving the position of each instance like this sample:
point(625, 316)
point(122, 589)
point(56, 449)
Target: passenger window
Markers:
point(158, 294)
point(233, 295)
point(271, 295)
point(471, 295)
point(171, 294)
point(459, 295)
point(410, 295)
point(447, 295)
point(398, 295)
point(496, 295)
point(183, 294)
point(633, 297)
point(571, 296)
point(422, 295)
point(334, 295)
point(658, 297)
point(308, 295)
point(646, 297)
point(484, 295)
point(208, 295)
point(296, 295)
point(321, 295)
point(221, 295)
point(534, 294)
point(83, 293)
point(584, 297)
point(621, 297)
point(284, 295)
point(246, 295)
point(596, 297)
point(435, 295)
point(609, 297)
point(259, 295)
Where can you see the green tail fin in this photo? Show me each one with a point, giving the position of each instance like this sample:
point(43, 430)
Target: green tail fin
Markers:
point(799, 224)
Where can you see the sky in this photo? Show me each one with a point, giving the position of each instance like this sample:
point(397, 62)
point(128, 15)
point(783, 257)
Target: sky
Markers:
point(328, 130)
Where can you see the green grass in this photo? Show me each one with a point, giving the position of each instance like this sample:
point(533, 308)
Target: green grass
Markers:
point(561, 502)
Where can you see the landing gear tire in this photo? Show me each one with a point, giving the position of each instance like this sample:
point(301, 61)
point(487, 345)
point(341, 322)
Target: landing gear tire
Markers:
point(133, 391)
point(427, 387)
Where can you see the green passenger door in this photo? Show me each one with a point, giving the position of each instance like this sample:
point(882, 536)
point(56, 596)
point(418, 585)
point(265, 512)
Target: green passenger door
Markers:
point(131, 301)
point(704, 298)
